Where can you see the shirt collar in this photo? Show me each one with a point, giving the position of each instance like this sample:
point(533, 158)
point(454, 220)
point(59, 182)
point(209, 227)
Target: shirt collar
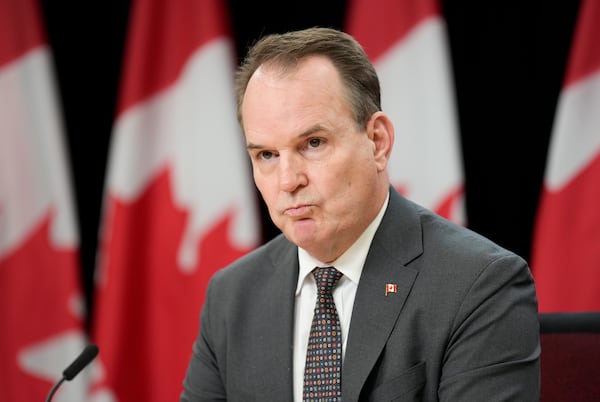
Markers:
point(351, 262)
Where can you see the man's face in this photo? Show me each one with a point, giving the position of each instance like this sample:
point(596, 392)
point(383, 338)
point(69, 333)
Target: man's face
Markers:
point(315, 168)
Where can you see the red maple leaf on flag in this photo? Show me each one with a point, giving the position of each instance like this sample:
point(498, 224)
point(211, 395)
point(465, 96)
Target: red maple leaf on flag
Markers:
point(39, 299)
point(149, 305)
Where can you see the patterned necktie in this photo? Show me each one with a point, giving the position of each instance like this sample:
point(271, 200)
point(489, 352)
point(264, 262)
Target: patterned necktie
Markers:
point(323, 370)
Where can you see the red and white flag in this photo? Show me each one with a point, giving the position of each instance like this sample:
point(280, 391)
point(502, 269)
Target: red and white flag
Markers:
point(566, 246)
point(41, 303)
point(406, 41)
point(179, 198)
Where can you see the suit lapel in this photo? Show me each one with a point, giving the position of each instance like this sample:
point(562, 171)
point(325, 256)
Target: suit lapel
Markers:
point(396, 243)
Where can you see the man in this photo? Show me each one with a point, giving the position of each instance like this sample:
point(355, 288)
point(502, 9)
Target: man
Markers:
point(428, 310)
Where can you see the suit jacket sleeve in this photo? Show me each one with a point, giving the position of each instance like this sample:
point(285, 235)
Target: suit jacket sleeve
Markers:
point(493, 351)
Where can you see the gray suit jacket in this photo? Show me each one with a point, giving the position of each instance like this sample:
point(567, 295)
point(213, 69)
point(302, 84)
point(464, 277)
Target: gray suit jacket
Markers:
point(462, 325)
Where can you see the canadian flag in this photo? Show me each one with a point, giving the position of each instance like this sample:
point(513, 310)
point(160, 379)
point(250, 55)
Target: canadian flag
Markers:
point(179, 198)
point(41, 305)
point(406, 41)
point(390, 288)
point(566, 246)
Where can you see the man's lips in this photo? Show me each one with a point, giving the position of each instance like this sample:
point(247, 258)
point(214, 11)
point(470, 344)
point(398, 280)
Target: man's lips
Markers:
point(298, 210)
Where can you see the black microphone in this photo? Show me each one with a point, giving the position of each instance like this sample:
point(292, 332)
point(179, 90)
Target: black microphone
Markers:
point(84, 358)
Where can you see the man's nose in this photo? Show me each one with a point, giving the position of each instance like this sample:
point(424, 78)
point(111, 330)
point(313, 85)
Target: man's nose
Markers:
point(292, 174)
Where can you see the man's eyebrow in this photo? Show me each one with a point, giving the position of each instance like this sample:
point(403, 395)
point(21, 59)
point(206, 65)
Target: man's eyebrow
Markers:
point(306, 133)
point(251, 146)
point(311, 130)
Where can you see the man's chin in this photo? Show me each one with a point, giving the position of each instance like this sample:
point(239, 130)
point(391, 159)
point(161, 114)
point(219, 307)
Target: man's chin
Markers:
point(303, 234)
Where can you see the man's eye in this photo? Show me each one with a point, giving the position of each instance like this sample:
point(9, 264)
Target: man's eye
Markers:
point(315, 142)
point(265, 155)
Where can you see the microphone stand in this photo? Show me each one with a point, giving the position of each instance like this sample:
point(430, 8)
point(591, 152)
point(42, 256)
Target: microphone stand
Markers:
point(54, 389)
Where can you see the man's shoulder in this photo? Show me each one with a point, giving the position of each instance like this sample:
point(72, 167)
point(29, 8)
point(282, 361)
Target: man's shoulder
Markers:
point(261, 259)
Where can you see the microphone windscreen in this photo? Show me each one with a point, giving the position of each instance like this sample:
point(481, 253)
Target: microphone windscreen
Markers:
point(88, 354)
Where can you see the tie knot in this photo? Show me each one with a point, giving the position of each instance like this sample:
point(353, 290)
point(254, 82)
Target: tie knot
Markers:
point(326, 278)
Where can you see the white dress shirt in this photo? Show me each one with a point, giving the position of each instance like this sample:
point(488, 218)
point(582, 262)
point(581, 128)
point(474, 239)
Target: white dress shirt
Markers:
point(350, 264)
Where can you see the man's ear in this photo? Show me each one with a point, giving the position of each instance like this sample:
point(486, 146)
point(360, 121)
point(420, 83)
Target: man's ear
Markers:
point(381, 131)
